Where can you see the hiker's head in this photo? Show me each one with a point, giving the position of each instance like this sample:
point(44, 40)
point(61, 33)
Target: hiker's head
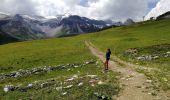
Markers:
point(108, 49)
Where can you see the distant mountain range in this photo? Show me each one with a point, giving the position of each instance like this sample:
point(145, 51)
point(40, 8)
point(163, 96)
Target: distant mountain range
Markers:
point(23, 27)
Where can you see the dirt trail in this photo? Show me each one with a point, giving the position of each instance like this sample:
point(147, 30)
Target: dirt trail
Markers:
point(135, 85)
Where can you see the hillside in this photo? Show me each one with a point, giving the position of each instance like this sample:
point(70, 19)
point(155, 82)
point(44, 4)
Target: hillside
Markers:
point(148, 40)
point(5, 38)
point(146, 43)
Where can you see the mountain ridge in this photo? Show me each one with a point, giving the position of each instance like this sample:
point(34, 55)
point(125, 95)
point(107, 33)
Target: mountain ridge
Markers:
point(26, 27)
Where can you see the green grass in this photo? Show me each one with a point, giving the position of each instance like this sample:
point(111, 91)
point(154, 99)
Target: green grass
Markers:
point(42, 53)
point(85, 92)
point(140, 35)
point(52, 52)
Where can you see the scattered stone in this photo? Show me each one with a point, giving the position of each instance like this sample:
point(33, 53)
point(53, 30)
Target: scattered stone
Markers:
point(67, 87)
point(101, 83)
point(132, 51)
point(59, 88)
point(123, 78)
point(43, 85)
point(76, 66)
point(92, 84)
point(40, 70)
point(64, 93)
point(147, 57)
point(141, 58)
point(165, 79)
point(96, 93)
point(100, 96)
point(149, 93)
point(87, 62)
point(30, 85)
point(148, 81)
point(80, 84)
point(153, 57)
point(70, 79)
point(75, 76)
point(8, 88)
point(92, 76)
point(130, 76)
point(168, 52)
point(156, 52)
point(97, 62)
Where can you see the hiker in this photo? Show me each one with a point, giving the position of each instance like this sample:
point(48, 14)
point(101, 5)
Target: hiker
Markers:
point(108, 53)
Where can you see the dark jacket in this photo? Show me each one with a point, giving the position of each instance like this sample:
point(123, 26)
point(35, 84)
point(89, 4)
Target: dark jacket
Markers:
point(108, 55)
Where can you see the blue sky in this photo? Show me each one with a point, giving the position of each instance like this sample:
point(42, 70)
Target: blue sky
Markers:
point(151, 4)
point(83, 1)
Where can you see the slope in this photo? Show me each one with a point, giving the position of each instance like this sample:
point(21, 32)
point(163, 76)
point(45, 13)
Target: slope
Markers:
point(134, 83)
point(148, 38)
point(145, 44)
point(58, 69)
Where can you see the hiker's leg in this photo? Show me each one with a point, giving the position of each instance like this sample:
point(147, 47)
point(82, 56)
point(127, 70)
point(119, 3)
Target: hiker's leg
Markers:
point(108, 65)
point(105, 65)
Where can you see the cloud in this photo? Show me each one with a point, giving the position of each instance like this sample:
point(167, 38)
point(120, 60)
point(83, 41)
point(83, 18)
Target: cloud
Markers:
point(119, 9)
point(18, 6)
point(161, 8)
point(98, 9)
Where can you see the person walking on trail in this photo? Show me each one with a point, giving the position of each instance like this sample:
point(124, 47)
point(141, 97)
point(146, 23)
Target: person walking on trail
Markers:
point(108, 53)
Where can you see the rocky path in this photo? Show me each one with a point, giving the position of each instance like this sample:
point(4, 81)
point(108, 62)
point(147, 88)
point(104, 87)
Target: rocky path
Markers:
point(135, 86)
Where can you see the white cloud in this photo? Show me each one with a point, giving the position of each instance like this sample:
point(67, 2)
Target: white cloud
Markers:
point(98, 9)
point(119, 9)
point(18, 6)
point(161, 8)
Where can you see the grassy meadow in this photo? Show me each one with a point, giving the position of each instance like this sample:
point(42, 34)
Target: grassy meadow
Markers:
point(143, 36)
point(53, 52)
point(72, 50)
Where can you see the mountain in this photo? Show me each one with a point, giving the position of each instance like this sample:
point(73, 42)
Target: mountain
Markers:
point(128, 22)
point(4, 15)
point(6, 38)
point(24, 27)
point(29, 27)
point(164, 16)
point(113, 23)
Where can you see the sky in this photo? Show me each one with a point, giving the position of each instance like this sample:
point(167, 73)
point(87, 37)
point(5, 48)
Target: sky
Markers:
point(117, 10)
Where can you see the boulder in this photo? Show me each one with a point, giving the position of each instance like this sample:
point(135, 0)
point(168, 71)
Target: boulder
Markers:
point(8, 88)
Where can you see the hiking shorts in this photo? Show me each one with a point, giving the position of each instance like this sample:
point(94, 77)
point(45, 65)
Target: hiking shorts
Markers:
point(107, 59)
